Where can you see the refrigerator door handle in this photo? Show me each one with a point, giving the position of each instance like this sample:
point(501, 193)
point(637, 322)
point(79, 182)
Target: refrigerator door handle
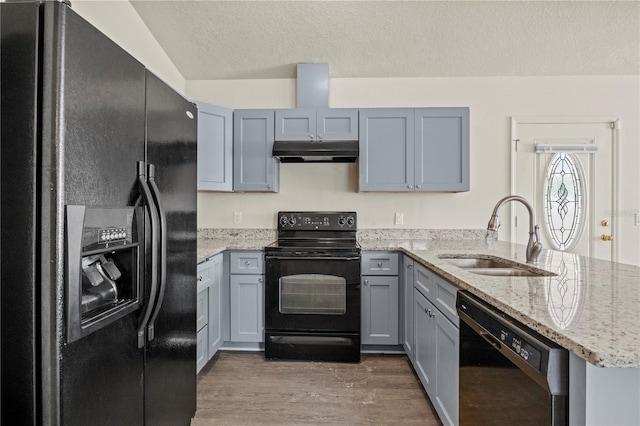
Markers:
point(153, 214)
point(155, 192)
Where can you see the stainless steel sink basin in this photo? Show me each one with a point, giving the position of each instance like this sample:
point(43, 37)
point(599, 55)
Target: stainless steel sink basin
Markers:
point(475, 262)
point(494, 266)
point(508, 272)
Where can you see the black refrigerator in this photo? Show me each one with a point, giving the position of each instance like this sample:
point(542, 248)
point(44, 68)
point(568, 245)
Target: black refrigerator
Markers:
point(98, 229)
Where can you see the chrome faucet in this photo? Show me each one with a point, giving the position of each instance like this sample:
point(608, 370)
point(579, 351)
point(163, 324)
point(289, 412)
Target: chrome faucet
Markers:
point(534, 246)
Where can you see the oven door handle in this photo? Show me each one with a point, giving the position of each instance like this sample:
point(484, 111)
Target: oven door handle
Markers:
point(311, 258)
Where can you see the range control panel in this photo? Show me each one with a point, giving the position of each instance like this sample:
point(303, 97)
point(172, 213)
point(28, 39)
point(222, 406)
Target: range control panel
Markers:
point(315, 221)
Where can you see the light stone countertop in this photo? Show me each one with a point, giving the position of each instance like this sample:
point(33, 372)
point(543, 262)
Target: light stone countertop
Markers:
point(591, 307)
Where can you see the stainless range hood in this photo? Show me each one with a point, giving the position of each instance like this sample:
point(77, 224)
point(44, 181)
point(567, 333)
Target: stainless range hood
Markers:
point(312, 83)
point(316, 152)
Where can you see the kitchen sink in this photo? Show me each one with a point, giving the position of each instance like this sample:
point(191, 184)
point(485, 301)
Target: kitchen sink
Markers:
point(494, 266)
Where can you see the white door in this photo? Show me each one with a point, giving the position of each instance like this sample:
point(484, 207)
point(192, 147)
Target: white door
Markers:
point(565, 168)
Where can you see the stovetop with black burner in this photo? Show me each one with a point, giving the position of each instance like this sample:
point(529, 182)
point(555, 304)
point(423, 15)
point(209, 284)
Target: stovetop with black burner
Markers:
point(316, 233)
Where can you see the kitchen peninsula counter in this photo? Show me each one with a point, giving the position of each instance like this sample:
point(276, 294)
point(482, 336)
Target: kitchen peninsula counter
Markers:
point(590, 307)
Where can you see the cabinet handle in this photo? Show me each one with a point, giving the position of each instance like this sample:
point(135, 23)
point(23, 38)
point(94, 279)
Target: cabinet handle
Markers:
point(268, 186)
point(320, 136)
point(366, 282)
point(379, 264)
point(311, 136)
point(200, 278)
point(246, 262)
point(260, 280)
point(426, 311)
point(410, 266)
point(418, 186)
point(410, 186)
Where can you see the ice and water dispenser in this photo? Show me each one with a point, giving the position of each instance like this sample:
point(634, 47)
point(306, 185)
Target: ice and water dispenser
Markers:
point(103, 266)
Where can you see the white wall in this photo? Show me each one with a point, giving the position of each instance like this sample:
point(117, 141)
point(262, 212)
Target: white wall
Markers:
point(122, 24)
point(492, 100)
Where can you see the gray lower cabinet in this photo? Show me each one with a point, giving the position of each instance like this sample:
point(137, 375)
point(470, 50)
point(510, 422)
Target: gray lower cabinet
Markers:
point(380, 290)
point(254, 168)
point(437, 342)
point(215, 338)
point(215, 148)
point(208, 310)
point(406, 149)
point(326, 124)
point(246, 296)
point(203, 282)
point(379, 310)
point(407, 292)
point(247, 308)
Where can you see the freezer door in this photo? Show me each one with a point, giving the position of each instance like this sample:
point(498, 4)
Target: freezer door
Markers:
point(93, 137)
point(170, 382)
point(19, 323)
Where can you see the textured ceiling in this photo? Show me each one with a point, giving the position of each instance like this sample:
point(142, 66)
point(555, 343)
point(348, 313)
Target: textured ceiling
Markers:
point(210, 40)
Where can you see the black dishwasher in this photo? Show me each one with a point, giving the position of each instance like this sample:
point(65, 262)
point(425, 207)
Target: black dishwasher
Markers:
point(509, 374)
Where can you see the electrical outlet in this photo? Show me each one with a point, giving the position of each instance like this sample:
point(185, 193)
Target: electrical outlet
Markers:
point(399, 219)
point(237, 218)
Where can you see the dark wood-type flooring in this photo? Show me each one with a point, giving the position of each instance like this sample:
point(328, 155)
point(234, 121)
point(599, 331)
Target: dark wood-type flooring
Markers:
point(240, 388)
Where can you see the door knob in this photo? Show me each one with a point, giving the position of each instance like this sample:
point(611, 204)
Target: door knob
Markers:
point(606, 237)
point(605, 222)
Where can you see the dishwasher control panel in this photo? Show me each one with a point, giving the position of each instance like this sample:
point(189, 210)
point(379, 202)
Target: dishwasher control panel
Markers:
point(502, 331)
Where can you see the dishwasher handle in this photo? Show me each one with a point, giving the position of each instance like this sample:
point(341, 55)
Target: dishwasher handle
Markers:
point(491, 339)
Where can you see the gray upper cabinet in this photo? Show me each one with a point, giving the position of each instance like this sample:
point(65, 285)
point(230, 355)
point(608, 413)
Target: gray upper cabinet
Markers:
point(424, 149)
point(442, 149)
point(215, 148)
point(325, 124)
point(254, 168)
point(386, 149)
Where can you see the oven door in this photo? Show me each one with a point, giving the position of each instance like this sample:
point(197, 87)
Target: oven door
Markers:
point(312, 294)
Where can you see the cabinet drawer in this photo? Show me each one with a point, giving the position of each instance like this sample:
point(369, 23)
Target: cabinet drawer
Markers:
point(379, 263)
point(424, 281)
point(246, 262)
point(441, 293)
point(202, 345)
point(202, 309)
point(445, 299)
point(203, 276)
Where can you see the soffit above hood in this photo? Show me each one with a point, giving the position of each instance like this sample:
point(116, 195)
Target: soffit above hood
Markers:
point(316, 152)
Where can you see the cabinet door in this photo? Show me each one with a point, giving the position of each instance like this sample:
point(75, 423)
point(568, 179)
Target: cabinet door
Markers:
point(380, 310)
point(447, 337)
point(247, 308)
point(386, 149)
point(295, 124)
point(201, 349)
point(254, 168)
point(215, 148)
point(215, 306)
point(442, 149)
point(425, 349)
point(202, 309)
point(408, 307)
point(337, 124)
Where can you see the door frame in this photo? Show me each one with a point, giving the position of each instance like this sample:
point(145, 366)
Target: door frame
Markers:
point(614, 123)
